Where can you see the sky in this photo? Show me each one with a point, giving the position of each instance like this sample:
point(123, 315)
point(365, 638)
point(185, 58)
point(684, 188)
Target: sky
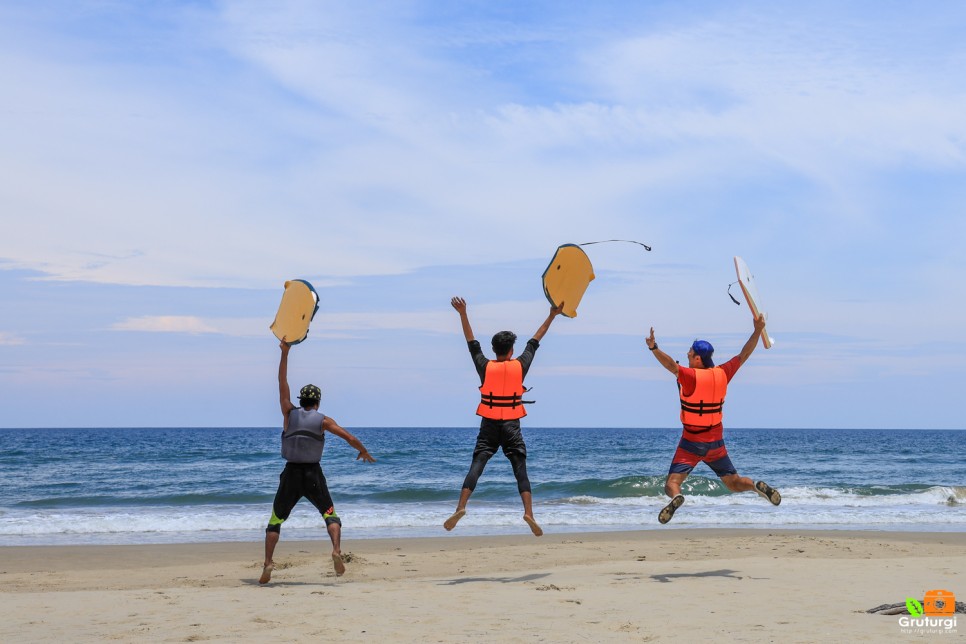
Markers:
point(165, 167)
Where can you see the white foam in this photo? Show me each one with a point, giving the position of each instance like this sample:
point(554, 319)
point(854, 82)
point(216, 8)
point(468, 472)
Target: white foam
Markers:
point(941, 508)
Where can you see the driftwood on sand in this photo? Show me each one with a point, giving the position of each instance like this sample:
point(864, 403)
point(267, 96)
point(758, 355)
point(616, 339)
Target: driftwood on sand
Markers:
point(900, 609)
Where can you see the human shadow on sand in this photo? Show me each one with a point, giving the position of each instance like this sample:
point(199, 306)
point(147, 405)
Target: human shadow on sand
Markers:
point(499, 580)
point(666, 579)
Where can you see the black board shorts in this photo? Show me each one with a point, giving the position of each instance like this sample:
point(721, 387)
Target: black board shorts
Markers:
point(495, 434)
point(300, 480)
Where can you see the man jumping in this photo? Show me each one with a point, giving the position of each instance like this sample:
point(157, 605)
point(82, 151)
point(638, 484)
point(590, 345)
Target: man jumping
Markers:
point(500, 409)
point(303, 437)
point(702, 387)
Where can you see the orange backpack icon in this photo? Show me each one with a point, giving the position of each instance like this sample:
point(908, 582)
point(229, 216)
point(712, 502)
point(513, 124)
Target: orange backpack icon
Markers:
point(939, 602)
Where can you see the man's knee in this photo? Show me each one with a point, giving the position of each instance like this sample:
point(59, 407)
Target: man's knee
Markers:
point(672, 484)
point(275, 523)
point(331, 518)
point(519, 464)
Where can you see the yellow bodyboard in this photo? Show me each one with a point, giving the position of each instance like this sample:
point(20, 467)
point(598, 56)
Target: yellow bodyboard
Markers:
point(567, 277)
point(295, 312)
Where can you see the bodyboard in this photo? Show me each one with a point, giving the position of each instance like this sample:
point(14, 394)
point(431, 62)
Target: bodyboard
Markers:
point(295, 312)
point(747, 282)
point(567, 277)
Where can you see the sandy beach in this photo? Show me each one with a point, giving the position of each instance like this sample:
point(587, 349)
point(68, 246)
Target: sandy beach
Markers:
point(669, 585)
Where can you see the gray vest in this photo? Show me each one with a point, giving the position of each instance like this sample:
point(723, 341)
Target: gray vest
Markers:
point(303, 440)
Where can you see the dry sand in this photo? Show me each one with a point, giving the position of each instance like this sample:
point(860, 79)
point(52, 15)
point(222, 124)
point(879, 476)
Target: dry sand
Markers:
point(671, 585)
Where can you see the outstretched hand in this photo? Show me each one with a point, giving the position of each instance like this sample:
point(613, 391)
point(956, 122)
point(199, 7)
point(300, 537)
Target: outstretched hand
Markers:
point(650, 341)
point(366, 456)
point(459, 304)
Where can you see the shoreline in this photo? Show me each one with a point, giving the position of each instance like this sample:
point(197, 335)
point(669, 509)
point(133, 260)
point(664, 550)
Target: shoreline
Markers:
point(353, 534)
point(756, 585)
point(462, 540)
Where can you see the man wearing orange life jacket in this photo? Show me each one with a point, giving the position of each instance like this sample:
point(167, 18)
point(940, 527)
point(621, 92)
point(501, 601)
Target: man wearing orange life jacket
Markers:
point(500, 409)
point(702, 387)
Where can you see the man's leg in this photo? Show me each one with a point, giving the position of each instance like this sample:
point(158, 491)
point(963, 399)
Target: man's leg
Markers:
point(271, 540)
point(317, 492)
point(733, 481)
point(681, 466)
point(672, 486)
point(515, 449)
point(486, 443)
point(518, 462)
point(333, 525)
point(272, 534)
point(469, 484)
point(737, 483)
point(286, 497)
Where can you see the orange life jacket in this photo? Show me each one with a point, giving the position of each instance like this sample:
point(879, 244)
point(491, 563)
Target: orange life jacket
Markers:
point(502, 391)
point(704, 407)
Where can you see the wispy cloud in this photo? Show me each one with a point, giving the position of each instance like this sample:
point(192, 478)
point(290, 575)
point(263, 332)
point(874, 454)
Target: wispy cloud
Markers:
point(400, 155)
point(166, 324)
point(8, 339)
point(391, 140)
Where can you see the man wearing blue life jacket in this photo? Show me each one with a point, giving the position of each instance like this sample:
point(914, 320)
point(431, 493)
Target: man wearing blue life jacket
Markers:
point(500, 409)
point(303, 437)
point(702, 387)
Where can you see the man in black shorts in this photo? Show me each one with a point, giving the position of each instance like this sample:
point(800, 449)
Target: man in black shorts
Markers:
point(303, 437)
point(501, 408)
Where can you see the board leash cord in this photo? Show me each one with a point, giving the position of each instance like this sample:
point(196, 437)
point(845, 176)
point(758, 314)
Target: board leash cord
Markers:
point(732, 296)
point(606, 241)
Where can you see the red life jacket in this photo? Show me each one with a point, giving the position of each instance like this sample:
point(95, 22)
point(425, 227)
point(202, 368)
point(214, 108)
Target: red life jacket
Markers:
point(502, 391)
point(704, 407)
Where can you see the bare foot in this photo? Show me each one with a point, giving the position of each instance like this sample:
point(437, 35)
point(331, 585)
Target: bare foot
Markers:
point(451, 522)
point(267, 573)
point(338, 564)
point(536, 529)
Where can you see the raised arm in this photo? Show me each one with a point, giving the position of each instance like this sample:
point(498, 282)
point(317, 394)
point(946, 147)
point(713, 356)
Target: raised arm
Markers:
point(284, 395)
point(330, 425)
point(753, 340)
point(460, 305)
point(666, 361)
point(542, 331)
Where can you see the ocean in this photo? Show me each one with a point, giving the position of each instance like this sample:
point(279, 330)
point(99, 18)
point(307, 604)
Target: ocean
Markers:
point(184, 485)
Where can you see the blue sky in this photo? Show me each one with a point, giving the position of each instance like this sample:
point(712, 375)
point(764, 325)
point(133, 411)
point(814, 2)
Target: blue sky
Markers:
point(165, 167)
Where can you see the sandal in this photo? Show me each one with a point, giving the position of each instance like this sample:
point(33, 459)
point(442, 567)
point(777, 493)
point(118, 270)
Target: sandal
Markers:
point(768, 492)
point(670, 508)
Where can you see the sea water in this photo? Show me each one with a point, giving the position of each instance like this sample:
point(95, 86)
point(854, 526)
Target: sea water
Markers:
point(166, 485)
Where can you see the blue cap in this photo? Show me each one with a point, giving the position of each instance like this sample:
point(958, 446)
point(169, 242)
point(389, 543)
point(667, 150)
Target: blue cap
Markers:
point(704, 349)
